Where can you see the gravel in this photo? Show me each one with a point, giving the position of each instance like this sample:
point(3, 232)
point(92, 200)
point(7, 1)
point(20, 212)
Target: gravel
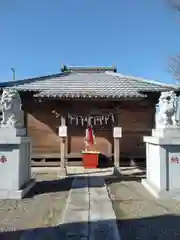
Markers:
point(40, 209)
point(139, 215)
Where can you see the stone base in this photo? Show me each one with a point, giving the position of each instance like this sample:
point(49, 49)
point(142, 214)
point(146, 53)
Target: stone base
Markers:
point(10, 132)
point(166, 132)
point(117, 171)
point(17, 194)
point(62, 173)
point(157, 193)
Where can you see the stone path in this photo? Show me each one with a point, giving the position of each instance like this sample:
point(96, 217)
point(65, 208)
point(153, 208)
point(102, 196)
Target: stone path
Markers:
point(88, 214)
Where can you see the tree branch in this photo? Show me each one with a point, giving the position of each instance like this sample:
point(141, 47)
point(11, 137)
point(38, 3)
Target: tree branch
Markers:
point(175, 4)
point(174, 67)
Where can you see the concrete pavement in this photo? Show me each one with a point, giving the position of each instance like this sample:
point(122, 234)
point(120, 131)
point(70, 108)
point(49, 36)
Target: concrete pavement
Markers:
point(89, 213)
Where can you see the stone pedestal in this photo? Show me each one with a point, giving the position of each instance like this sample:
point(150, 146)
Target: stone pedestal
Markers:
point(15, 163)
point(163, 163)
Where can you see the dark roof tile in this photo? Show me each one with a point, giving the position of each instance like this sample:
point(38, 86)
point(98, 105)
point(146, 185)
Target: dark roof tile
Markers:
point(103, 85)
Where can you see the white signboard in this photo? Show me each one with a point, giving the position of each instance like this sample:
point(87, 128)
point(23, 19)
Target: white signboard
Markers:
point(63, 131)
point(117, 132)
point(174, 170)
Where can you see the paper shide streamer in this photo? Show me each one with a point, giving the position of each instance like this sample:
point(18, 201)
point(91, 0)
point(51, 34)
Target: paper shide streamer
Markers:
point(91, 120)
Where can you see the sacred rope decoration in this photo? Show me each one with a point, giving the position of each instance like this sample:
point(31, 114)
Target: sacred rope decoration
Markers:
point(91, 120)
point(87, 120)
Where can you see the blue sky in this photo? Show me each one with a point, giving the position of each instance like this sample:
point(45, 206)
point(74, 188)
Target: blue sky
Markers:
point(138, 36)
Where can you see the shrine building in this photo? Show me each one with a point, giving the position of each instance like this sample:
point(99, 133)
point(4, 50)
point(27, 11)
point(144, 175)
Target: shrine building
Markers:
point(77, 94)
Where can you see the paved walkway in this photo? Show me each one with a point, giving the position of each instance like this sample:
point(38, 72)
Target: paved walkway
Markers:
point(88, 214)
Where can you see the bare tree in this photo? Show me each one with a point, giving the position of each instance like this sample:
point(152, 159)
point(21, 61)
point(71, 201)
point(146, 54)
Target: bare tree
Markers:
point(174, 67)
point(175, 4)
point(174, 62)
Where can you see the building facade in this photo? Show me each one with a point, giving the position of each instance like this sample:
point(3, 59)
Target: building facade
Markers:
point(78, 95)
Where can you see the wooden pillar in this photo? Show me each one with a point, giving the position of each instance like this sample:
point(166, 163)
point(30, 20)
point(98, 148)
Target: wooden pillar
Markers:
point(63, 121)
point(63, 144)
point(26, 121)
point(109, 148)
point(116, 152)
point(117, 134)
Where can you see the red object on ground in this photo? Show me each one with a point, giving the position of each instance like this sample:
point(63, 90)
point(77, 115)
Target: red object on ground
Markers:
point(90, 160)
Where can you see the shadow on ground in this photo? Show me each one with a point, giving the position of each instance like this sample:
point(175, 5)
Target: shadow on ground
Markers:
point(50, 186)
point(163, 227)
point(153, 228)
point(61, 185)
point(134, 176)
point(65, 184)
point(104, 161)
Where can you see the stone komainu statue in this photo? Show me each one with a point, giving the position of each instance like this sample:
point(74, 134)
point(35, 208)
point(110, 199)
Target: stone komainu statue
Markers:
point(168, 108)
point(12, 115)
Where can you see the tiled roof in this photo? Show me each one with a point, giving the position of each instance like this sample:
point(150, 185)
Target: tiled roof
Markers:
point(92, 85)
